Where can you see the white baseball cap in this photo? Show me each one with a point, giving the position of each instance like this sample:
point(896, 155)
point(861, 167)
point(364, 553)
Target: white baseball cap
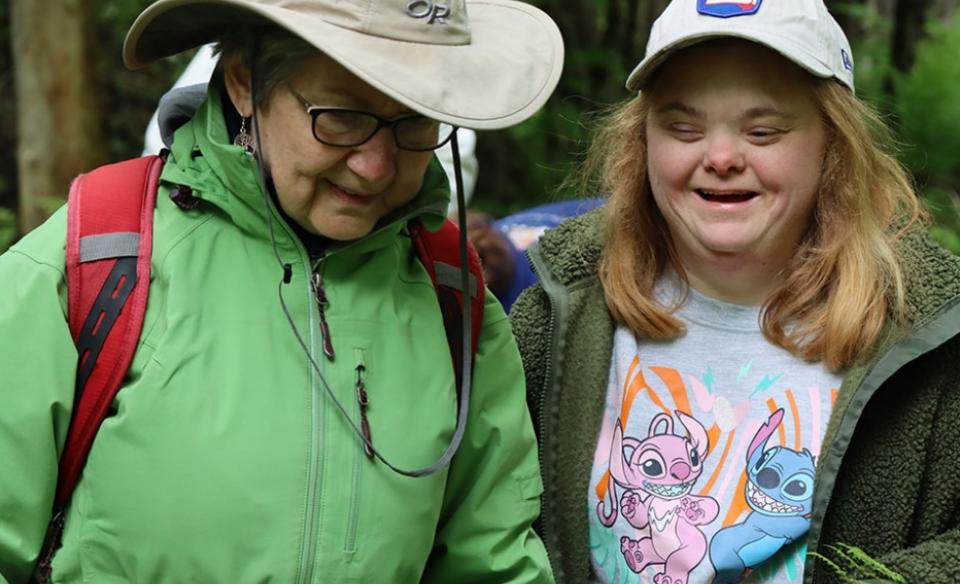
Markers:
point(800, 30)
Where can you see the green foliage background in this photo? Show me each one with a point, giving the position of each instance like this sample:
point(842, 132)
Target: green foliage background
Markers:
point(928, 106)
point(128, 98)
point(526, 165)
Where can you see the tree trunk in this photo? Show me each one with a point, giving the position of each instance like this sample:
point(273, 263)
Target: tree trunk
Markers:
point(908, 29)
point(58, 121)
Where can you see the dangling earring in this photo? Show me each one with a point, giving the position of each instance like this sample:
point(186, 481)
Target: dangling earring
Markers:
point(244, 139)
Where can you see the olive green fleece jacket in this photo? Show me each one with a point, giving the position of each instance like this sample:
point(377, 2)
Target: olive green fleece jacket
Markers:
point(887, 494)
point(225, 460)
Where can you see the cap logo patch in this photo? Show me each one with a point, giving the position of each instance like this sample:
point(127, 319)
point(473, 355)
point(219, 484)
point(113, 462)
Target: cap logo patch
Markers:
point(434, 12)
point(847, 60)
point(728, 8)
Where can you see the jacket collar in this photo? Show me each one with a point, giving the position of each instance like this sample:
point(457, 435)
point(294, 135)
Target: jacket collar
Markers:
point(572, 250)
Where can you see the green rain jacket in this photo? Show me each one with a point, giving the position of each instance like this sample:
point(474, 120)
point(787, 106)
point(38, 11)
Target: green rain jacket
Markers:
point(225, 461)
point(887, 491)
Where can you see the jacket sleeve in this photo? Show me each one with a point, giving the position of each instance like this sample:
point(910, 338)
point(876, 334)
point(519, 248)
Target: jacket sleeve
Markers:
point(493, 486)
point(37, 367)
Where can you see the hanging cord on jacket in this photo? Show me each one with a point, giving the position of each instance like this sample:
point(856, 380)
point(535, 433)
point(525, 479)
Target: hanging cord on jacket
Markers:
point(466, 355)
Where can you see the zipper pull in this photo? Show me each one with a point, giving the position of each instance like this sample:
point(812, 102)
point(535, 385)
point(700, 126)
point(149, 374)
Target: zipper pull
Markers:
point(323, 303)
point(364, 400)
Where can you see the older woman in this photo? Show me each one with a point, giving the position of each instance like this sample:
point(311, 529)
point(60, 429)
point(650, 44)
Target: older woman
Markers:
point(751, 353)
point(316, 435)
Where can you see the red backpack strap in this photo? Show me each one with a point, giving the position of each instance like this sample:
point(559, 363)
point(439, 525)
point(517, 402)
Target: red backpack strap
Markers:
point(109, 244)
point(439, 252)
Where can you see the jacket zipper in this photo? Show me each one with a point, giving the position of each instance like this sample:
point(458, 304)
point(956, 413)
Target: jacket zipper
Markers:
point(350, 545)
point(544, 438)
point(317, 406)
point(308, 542)
point(317, 414)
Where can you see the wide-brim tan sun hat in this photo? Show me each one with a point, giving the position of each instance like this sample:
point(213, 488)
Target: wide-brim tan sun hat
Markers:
point(481, 64)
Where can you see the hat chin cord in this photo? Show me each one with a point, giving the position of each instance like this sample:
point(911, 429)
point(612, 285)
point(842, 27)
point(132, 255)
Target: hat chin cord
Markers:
point(466, 355)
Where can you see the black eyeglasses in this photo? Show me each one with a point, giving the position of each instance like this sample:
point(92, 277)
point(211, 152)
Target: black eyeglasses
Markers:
point(336, 126)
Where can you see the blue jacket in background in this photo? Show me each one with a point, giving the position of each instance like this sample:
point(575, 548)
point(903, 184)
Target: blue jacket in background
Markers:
point(524, 228)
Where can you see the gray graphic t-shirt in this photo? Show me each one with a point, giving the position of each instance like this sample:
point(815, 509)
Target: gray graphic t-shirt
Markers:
point(704, 464)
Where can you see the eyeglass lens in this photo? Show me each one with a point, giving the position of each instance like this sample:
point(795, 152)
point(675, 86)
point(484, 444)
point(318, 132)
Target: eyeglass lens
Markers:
point(352, 128)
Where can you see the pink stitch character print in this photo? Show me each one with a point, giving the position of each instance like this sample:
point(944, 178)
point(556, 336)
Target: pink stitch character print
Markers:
point(657, 475)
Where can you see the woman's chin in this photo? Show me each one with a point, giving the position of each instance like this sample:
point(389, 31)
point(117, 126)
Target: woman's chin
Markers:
point(341, 228)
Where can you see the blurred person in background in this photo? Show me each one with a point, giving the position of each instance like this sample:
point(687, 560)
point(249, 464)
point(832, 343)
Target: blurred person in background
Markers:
point(501, 243)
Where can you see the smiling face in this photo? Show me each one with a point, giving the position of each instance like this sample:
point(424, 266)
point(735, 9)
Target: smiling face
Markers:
point(735, 148)
point(670, 465)
point(336, 192)
point(780, 482)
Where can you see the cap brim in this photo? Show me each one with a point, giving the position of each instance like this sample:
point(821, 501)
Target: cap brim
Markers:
point(792, 52)
point(501, 78)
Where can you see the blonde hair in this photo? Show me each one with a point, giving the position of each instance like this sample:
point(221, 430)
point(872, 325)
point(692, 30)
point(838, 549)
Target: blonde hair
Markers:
point(844, 281)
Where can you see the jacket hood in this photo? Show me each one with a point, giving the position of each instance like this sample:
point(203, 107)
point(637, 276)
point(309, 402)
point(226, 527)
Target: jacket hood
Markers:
point(573, 251)
point(203, 158)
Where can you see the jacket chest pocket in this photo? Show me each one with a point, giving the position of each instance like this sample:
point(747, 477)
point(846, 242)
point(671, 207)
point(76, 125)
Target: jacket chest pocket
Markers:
point(361, 450)
point(407, 412)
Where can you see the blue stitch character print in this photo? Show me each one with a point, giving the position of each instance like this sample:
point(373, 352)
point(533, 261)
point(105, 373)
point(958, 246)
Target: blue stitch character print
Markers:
point(779, 491)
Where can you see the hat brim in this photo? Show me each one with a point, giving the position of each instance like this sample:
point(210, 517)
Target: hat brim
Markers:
point(791, 51)
point(502, 77)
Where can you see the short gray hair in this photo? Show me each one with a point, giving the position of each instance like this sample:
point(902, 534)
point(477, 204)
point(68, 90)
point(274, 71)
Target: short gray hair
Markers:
point(272, 54)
